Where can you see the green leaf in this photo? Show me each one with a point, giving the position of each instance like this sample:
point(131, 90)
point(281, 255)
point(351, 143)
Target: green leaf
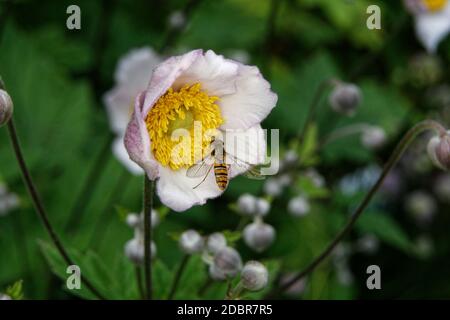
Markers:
point(386, 229)
point(15, 291)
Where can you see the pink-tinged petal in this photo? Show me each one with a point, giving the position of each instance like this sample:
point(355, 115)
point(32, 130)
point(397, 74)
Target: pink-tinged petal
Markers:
point(176, 190)
point(246, 148)
point(137, 141)
point(216, 74)
point(165, 75)
point(251, 103)
point(121, 154)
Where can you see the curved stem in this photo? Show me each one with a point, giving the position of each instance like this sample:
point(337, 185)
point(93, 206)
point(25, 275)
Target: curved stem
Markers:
point(394, 158)
point(148, 203)
point(344, 132)
point(38, 203)
point(177, 278)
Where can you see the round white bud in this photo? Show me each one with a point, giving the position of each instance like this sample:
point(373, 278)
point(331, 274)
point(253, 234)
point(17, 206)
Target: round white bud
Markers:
point(133, 220)
point(439, 151)
point(216, 242)
point(421, 206)
point(215, 273)
point(345, 98)
point(134, 250)
point(442, 187)
point(228, 261)
point(254, 276)
point(4, 297)
point(298, 206)
point(262, 207)
point(273, 187)
point(259, 236)
point(177, 20)
point(373, 137)
point(191, 242)
point(290, 158)
point(6, 107)
point(246, 204)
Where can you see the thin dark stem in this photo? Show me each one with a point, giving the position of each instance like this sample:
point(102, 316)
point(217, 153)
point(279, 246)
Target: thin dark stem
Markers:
point(394, 158)
point(38, 203)
point(177, 278)
point(138, 272)
point(148, 204)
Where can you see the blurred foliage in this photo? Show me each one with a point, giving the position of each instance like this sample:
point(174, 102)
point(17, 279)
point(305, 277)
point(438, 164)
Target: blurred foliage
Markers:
point(57, 77)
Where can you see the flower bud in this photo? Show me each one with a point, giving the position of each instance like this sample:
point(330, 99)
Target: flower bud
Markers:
point(191, 242)
point(439, 151)
point(215, 273)
point(368, 244)
point(228, 261)
point(272, 187)
point(259, 236)
point(262, 207)
point(373, 137)
point(216, 242)
point(290, 158)
point(345, 98)
point(442, 187)
point(4, 297)
point(421, 206)
point(177, 20)
point(133, 220)
point(298, 206)
point(6, 107)
point(134, 250)
point(246, 204)
point(254, 276)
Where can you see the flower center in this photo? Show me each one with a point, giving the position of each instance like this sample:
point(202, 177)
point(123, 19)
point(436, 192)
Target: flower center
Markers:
point(180, 124)
point(434, 5)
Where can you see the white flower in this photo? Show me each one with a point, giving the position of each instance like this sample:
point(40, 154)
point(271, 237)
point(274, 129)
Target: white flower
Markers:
point(197, 88)
point(432, 21)
point(132, 76)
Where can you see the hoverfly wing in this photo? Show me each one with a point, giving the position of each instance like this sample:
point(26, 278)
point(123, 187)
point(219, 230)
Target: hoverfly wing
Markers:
point(199, 169)
point(251, 171)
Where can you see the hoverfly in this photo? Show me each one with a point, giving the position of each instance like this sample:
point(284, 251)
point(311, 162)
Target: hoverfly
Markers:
point(217, 159)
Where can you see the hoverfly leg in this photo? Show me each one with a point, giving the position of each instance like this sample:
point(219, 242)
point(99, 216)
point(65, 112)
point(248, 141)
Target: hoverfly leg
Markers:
point(206, 175)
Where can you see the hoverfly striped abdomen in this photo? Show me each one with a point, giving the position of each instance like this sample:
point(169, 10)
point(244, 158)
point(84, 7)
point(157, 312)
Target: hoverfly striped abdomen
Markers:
point(221, 174)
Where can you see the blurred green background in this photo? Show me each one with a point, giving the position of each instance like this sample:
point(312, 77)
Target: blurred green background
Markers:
point(57, 78)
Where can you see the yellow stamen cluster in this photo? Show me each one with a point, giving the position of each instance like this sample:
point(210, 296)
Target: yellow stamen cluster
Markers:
point(190, 109)
point(434, 5)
